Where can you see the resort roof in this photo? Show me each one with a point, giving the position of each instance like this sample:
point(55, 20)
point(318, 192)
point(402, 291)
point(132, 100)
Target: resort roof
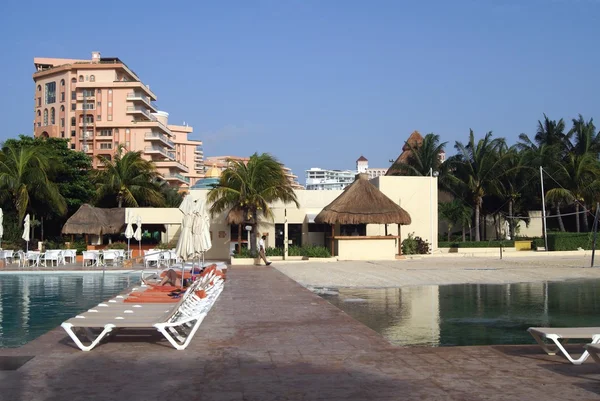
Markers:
point(363, 203)
point(415, 140)
point(94, 220)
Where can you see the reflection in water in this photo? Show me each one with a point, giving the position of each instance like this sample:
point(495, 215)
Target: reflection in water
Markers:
point(471, 314)
point(31, 305)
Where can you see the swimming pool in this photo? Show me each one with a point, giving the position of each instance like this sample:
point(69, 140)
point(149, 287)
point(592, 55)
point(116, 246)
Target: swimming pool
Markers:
point(470, 314)
point(33, 304)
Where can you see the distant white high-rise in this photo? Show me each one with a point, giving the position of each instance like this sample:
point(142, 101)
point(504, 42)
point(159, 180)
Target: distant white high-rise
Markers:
point(322, 179)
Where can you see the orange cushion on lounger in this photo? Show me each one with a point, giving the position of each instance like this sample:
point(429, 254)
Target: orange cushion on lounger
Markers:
point(201, 294)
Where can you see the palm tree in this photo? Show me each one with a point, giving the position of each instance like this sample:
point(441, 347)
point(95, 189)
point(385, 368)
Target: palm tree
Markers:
point(551, 132)
point(583, 138)
point(515, 178)
point(251, 188)
point(24, 178)
point(424, 158)
point(476, 170)
point(128, 180)
point(455, 212)
point(578, 175)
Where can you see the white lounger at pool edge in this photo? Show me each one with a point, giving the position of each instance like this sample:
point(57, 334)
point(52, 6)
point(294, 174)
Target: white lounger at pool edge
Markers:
point(561, 335)
point(173, 322)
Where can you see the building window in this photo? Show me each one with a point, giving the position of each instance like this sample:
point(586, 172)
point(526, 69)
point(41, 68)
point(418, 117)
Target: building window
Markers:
point(62, 123)
point(62, 134)
point(62, 82)
point(73, 106)
point(39, 124)
point(98, 117)
point(88, 106)
point(99, 91)
point(39, 113)
point(106, 132)
point(106, 146)
point(62, 109)
point(99, 104)
point(45, 117)
point(39, 102)
point(73, 133)
point(62, 96)
point(127, 130)
point(87, 119)
point(73, 122)
point(39, 88)
point(88, 92)
point(74, 80)
point(109, 117)
point(110, 91)
point(87, 78)
point(81, 78)
point(50, 92)
point(52, 116)
point(109, 104)
point(72, 146)
point(92, 78)
point(73, 95)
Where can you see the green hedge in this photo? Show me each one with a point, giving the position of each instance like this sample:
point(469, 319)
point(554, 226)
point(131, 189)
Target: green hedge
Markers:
point(569, 241)
point(309, 251)
point(476, 244)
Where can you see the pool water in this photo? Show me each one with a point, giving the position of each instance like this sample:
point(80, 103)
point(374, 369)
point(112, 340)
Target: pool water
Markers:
point(470, 314)
point(33, 304)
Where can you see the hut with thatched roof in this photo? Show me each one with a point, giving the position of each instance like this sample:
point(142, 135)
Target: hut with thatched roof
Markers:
point(363, 203)
point(89, 220)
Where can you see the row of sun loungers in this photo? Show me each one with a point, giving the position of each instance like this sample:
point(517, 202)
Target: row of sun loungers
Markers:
point(149, 307)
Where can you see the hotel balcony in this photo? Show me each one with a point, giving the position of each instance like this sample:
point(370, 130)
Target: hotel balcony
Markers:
point(87, 149)
point(90, 97)
point(156, 136)
point(137, 111)
point(199, 166)
point(157, 150)
point(173, 164)
point(138, 97)
point(177, 177)
point(87, 135)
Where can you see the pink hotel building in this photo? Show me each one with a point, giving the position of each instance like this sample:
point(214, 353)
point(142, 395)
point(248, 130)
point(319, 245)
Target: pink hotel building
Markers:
point(100, 103)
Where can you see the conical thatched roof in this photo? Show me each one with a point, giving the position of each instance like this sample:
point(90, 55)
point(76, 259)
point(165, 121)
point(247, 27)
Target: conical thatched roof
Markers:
point(363, 203)
point(415, 140)
point(94, 220)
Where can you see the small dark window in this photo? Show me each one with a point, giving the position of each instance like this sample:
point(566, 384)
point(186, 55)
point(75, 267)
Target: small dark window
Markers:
point(73, 122)
point(81, 78)
point(62, 82)
point(39, 88)
point(73, 106)
point(74, 80)
point(92, 78)
point(72, 133)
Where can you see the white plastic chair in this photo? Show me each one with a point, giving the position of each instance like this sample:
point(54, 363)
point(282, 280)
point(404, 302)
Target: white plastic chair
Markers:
point(9, 256)
point(32, 258)
point(52, 256)
point(91, 257)
point(151, 258)
point(110, 257)
point(69, 255)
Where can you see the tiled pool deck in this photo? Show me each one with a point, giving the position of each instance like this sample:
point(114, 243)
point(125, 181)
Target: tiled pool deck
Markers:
point(268, 338)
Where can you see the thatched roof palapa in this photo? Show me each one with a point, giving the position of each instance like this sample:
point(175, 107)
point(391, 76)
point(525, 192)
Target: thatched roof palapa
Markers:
point(414, 140)
point(363, 203)
point(94, 220)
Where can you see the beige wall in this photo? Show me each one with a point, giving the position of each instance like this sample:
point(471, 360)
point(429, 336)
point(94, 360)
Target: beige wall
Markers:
point(367, 249)
point(412, 193)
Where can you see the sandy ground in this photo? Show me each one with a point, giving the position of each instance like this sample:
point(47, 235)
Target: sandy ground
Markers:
point(440, 271)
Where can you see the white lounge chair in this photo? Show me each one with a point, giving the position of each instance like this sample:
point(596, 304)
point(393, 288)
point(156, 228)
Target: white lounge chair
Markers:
point(560, 336)
point(69, 255)
point(177, 322)
point(52, 257)
point(90, 257)
point(110, 257)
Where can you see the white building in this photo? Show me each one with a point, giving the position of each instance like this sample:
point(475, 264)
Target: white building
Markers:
point(320, 179)
point(328, 180)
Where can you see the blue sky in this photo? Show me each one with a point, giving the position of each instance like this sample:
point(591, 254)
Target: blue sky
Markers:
point(318, 83)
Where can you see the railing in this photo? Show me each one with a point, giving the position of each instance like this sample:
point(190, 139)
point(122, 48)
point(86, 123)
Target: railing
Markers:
point(151, 135)
point(144, 98)
point(162, 151)
point(179, 177)
point(181, 165)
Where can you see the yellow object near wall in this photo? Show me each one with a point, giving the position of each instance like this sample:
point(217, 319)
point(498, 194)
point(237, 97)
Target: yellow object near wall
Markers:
point(523, 245)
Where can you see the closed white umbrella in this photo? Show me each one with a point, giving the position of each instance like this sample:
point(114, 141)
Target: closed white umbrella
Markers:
point(129, 230)
point(1, 228)
point(201, 229)
point(26, 226)
point(185, 244)
point(137, 235)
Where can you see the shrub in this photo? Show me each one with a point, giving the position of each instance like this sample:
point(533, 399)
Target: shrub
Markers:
point(569, 241)
point(314, 251)
point(274, 251)
point(245, 253)
point(294, 250)
point(414, 245)
point(476, 244)
point(117, 245)
point(79, 245)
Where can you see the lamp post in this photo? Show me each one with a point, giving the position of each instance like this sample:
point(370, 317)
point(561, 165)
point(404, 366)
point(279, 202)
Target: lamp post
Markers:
point(431, 175)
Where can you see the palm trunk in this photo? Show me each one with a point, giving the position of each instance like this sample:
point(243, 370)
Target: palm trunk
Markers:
point(464, 233)
point(561, 225)
point(577, 216)
point(253, 236)
point(511, 227)
point(449, 231)
point(477, 226)
point(585, 219)
point(239, 239)
point(120, 202)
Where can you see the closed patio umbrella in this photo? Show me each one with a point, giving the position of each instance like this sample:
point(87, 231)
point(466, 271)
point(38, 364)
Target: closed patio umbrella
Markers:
point(137, 235)
point(129, 230)
point(201, 229)
point(185, 245)
point(26, 226)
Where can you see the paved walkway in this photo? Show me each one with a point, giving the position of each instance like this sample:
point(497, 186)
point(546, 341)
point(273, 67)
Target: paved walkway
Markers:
point(440, 271)
point(268, 338)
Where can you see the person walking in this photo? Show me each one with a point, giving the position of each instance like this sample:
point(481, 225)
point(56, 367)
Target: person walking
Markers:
point(261, 250)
